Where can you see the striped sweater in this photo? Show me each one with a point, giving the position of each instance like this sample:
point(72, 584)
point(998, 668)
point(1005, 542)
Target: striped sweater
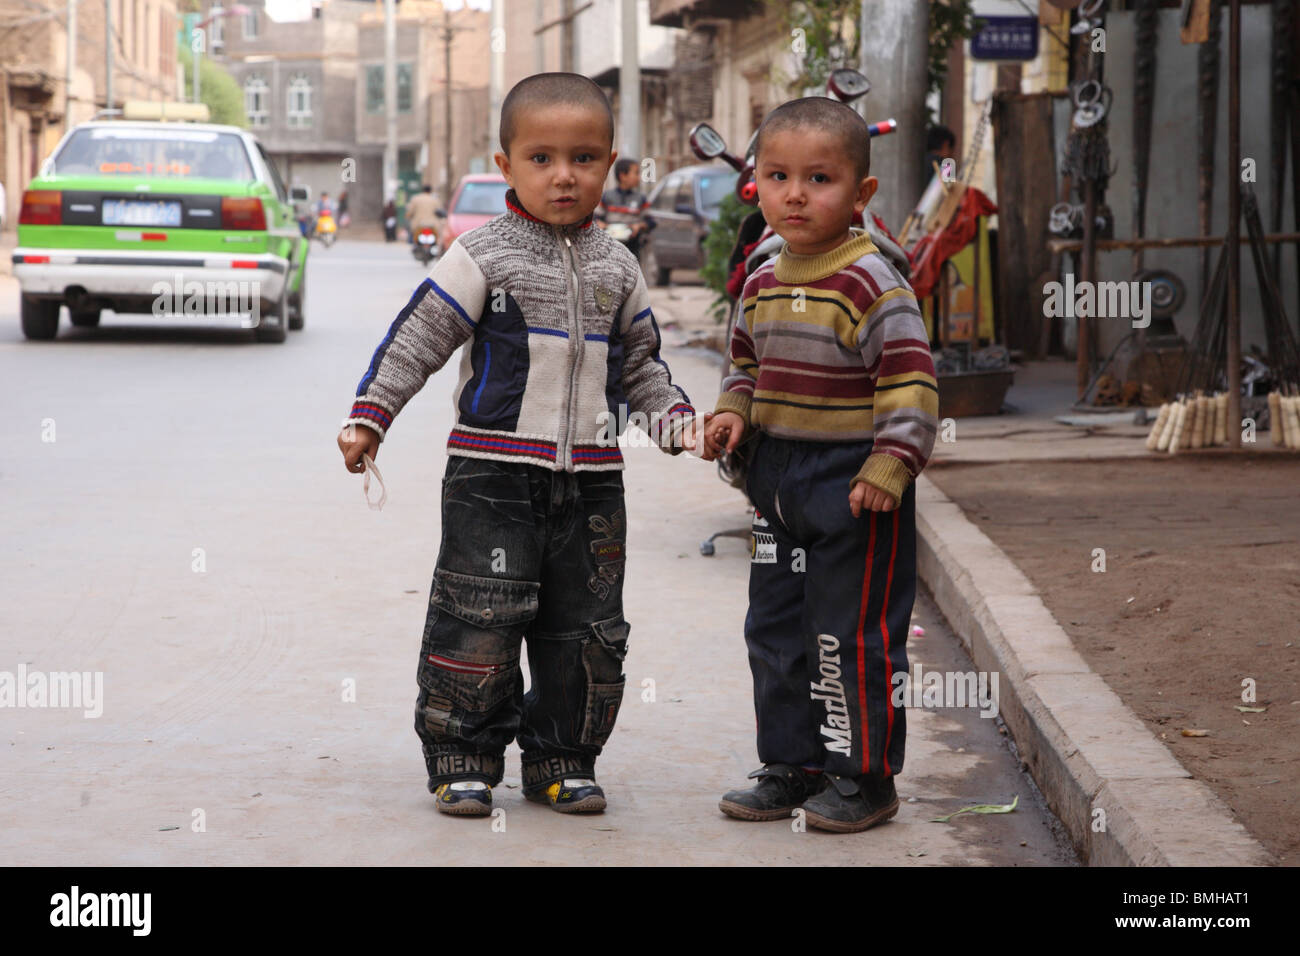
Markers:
point(832, 348)
point(560, 347)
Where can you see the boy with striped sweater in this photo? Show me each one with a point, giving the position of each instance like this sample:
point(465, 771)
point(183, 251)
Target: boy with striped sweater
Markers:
point(832, 374)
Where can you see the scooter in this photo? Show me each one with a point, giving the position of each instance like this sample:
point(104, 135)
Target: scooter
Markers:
point(325, 228)
point(425, 247)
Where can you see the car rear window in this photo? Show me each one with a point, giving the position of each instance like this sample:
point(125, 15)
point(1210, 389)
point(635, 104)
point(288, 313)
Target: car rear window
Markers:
point(173, 153)
point(482, 199)
point(714, 187)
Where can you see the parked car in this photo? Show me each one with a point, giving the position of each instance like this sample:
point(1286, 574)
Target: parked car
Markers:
point(132, 215)
point(479, 197)
point(683, 207)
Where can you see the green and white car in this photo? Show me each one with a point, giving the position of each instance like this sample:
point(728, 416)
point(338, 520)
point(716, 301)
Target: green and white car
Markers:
point(165, 218)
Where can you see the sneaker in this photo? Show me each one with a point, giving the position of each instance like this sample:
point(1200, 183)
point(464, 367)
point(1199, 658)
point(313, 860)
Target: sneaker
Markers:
point(571, 795)
point(464, 798)
point(849, 805)
point(780, 789)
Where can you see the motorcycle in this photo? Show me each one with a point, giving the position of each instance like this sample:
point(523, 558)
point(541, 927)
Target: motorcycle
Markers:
point(326, 228)
point(757, 242)
point(425, 247)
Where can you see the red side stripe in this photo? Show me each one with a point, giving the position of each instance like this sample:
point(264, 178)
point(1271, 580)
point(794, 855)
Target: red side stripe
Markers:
point(862, 651)
point(884, 631)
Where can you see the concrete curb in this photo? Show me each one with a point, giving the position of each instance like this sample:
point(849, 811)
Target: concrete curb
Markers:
point(1086, 750)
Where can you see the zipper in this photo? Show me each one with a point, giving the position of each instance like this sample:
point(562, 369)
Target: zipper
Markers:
point(575, 350)
point(465, 667)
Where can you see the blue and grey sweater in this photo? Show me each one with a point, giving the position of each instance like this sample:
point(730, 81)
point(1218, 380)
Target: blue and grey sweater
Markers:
point(559, 342)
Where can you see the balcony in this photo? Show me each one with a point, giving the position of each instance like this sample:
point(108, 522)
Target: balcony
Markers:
point(681, 13)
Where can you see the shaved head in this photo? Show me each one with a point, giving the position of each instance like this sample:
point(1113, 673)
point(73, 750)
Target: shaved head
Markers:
point(542, 90)
point(827, 116)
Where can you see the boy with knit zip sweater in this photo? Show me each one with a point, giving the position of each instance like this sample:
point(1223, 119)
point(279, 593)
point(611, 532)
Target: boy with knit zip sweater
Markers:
point(559, 339)
point(832, 376)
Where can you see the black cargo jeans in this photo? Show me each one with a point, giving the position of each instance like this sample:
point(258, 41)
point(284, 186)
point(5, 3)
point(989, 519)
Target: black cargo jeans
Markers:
point(527, 554)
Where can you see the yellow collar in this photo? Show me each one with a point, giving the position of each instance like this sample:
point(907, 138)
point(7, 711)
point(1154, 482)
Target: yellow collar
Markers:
point(793, 269)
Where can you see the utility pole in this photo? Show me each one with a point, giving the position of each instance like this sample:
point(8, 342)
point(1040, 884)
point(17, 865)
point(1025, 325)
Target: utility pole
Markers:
point(108, 54)
point(498, 75)
point(565, 22)
point(629, 83)
point(895, 47)
point(71, 68)
point(390, 97)
point(446, 105)
point(1234, 224)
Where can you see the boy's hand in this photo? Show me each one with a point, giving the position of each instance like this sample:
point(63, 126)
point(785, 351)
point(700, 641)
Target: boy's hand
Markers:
point(357, 440)
point(722, 433)
point(870, 498)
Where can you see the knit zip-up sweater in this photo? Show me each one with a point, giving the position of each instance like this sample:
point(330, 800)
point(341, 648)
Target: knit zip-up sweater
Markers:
point(832, 348)
point(560, 346)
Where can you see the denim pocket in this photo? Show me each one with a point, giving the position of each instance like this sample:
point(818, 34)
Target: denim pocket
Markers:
point(602, 659)
point(470, 654)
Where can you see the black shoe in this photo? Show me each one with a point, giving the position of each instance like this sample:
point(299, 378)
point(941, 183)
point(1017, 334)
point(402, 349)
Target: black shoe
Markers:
point(464, 798)
point(571, 795)
point(780, 789)
point(849, 805)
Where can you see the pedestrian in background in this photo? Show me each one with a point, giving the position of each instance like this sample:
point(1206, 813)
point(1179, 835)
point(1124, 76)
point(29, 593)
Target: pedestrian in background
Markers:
point(389, 219)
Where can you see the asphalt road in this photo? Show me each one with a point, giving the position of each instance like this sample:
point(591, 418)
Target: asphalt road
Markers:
point(190, 533)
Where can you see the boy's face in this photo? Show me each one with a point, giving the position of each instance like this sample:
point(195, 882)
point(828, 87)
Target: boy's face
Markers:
point(807, 189)
point(558, 162)
point(629, 178)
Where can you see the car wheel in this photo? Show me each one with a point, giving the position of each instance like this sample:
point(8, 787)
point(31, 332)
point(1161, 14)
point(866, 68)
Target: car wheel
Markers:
point(40, 317)
point(86, 319)
point(274, 324)
point(296, 315)
point(650, 266)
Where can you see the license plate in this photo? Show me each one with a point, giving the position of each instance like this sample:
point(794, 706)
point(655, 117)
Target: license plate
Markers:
point(133, 212)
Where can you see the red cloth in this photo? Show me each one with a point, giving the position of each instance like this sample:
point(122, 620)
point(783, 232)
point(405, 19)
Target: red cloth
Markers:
point(934, 249)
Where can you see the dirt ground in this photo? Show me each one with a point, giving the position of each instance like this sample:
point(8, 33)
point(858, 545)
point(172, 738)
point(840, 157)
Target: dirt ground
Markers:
point(1201, 590)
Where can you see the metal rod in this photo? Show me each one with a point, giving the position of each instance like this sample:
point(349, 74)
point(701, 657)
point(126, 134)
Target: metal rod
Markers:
point(1234, 225)
point(1111, 245)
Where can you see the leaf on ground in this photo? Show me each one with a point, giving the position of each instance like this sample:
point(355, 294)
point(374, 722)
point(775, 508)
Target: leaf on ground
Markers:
point(982, 808)
point(1195, 733)
point(1251, 710)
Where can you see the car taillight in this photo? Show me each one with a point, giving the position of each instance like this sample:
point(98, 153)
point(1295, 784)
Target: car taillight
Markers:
point(41, 207)
point(242, 213)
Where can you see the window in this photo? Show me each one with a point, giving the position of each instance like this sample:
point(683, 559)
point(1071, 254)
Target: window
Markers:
point(299, 113)
point(251, 22)
point(375, 88)
point(216, 33)
point(404, 84)
point(275, 174)
point(143, 151)
point(667, 194)
point(256, 93)
point(686, 196)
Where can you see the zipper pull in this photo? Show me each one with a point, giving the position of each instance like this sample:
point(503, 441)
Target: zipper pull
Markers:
point(567, 242)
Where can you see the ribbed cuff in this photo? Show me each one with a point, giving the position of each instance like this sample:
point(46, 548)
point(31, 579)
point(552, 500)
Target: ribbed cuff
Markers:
point(372, 416)
point(737, 402)
point(668, 428)
point(885, 472)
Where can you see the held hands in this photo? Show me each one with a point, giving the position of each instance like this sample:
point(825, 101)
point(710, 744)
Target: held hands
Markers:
point(355, 441)
point(865, 497)
point(722, 433)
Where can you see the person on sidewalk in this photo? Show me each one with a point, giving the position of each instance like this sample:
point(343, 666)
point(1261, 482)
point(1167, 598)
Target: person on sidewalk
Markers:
point(560, 335)
point(831, 378)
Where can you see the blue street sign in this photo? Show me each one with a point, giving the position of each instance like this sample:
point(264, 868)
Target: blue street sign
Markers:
point(1006, 38)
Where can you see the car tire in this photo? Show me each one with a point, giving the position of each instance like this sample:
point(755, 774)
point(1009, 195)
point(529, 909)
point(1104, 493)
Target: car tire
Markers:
point(40, 317)
point(86, 319)
point(654, 273)
point(296, 315)
point(277, 330)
